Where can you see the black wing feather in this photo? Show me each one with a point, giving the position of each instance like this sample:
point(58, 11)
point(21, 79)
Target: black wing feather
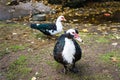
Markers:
point(78, 53)
point(57, 52)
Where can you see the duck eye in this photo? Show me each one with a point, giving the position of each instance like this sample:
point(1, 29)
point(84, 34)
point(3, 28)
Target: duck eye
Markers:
point(73, 32)
point(62, 17)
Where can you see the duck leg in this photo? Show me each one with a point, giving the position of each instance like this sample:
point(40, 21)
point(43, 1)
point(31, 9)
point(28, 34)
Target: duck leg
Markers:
point(65, 69)
point(74, 69)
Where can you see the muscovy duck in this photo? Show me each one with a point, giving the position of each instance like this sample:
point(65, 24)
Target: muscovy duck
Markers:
point(67, 50)
point(50, 28)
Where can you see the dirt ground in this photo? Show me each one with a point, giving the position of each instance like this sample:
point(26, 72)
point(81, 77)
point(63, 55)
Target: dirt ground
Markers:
point(36, 49)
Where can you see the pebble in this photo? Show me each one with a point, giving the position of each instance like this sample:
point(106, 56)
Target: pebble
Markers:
point(115, 44)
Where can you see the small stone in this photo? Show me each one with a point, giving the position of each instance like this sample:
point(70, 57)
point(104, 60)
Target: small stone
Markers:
point(32, 42)
point(36, 73)
point(14, 33)
point(115, 44)
point(39, 38)
point(39, 17)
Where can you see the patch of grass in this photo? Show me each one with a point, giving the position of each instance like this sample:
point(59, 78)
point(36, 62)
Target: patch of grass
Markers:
point(102, 39)
point(90, 38)
point(18, 69)
point(3, 52)
point(15, 48)
point(107, 57)
point(86, 37)
point(53, 64)
point(97, 76)
point(12, 24)
point(39, 35)
point(7, 48)
point(111, 36)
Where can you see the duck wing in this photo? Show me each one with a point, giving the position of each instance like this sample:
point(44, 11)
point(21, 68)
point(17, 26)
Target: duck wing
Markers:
point(45, 28)
point(57, 52)
point(78, 53)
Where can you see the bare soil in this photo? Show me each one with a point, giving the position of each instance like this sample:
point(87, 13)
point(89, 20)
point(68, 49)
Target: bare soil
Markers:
point(39, 52)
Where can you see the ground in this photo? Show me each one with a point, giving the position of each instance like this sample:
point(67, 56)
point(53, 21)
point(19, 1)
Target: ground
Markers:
point(28, 54)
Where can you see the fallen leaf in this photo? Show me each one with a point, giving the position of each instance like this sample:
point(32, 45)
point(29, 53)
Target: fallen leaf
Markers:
point(99, 28)
point(114, 29)
point(75, 20)
point(39, 38)
point(84, 30)
point(43, 40)
point(70, 14)
point(33, 78)
point(107, 14)
point(117, 37)
point(25, 35)
point(114, 59)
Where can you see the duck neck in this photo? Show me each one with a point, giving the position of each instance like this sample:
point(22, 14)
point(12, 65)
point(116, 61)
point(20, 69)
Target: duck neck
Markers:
point(69, 36)
point(59, 25)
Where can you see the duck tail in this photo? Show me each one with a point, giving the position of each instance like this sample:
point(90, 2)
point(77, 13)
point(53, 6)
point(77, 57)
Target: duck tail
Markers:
point(33, 25)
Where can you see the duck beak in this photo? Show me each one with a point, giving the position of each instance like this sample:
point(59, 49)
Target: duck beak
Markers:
point(65, 19)
point(76, 36)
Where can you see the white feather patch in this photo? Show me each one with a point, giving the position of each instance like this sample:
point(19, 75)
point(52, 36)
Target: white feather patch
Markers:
point(59, 27)
point(68, 51)
point(37, 24)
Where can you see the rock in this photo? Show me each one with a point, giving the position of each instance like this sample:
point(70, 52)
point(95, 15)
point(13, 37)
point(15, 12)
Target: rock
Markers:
point(115, 44)
point(69, 3)
point(39, 7)
point(21, 10)
point(55, 1)
point(39, 17)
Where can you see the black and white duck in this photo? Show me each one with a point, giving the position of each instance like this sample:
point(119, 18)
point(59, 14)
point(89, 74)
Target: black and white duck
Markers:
point(67, 50)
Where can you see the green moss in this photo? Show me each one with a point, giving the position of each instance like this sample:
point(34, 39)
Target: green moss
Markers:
point(97, 76)
point(102, 39)
point(107, 57)
point(3, 52)
point(53, 64)
point(18, 69)
point(17, 47)
point(12, 24)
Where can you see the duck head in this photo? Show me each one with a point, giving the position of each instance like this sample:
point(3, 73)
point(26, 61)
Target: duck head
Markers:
point(73, 33)
point(61, 18)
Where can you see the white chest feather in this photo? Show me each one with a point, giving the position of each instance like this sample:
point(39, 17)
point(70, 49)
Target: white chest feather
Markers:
point(59, 28)
point(68, 51)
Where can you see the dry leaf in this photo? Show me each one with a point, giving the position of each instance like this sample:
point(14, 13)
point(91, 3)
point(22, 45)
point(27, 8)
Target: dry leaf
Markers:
point(25, 35)
point(33, 78)
point(114, 29)
point(99, 28)
point(84, 30)
point(75, 20)
point(114, 59)
point(117, 37)
point(107, 14)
